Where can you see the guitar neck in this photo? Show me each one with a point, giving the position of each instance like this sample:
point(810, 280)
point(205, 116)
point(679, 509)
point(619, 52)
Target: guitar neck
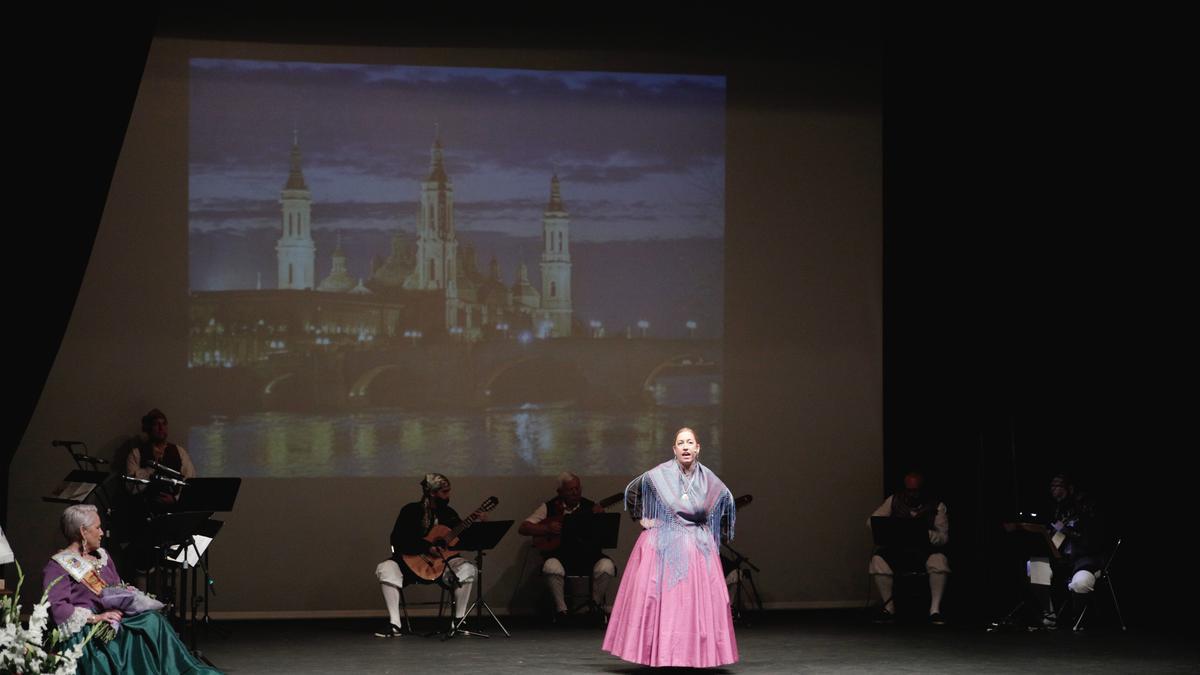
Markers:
point(467, 522)
point(610, 500)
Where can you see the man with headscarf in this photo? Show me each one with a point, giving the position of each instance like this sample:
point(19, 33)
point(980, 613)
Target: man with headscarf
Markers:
point(913, 502)
point(408, 538)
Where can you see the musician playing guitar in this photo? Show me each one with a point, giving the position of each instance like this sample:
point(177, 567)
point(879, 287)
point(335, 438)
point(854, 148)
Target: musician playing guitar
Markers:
point(1075, 539)
point(408, 539)
point(577, 557)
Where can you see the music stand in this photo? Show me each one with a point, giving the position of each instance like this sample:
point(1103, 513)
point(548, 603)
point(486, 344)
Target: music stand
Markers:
point(1029, 545)
point(76, 487)
point(482, 536)
point(209, 494)
point(600, 529)
point(173, 531)
point(899, 532)
point(84, 486)
point(189, 557)
point(206, 494)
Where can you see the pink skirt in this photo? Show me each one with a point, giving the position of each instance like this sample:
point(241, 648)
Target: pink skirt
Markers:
point(688, 625)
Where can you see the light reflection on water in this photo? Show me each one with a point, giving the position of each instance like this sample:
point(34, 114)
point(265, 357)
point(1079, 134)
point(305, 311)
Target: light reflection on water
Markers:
point(531, 439)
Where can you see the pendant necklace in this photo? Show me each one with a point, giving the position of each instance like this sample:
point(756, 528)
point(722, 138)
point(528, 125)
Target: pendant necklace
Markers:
point(687, 485)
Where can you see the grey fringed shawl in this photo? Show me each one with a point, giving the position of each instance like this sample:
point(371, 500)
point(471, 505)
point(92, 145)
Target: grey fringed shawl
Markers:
point(701, 518)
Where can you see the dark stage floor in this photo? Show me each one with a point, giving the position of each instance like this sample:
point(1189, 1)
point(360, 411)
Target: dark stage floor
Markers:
point(776, 642)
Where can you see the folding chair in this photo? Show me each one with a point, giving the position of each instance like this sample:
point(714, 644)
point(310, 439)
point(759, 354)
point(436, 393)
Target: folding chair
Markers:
point(1104, 576)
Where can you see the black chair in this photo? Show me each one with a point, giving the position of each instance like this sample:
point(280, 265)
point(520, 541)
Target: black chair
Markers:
point(406, 620)
point(1104, 576)
point(590, 604)
point(902, 585)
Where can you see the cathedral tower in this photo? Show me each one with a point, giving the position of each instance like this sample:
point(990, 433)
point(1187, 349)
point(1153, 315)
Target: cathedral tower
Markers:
point(295, 249)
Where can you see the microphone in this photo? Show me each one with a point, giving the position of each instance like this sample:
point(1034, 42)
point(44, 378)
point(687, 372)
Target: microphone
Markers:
point(165, 469)
point(153, 479)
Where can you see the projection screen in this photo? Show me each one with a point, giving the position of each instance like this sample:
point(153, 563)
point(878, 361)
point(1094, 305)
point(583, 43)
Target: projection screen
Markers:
point(337, 268)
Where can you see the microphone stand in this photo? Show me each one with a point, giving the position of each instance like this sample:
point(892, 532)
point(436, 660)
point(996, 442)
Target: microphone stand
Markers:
point(80, 458)
point(745, 570)
point(162, 582)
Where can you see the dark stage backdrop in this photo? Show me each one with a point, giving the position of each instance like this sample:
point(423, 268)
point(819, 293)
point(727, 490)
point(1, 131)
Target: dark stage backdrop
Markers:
point(789, 329)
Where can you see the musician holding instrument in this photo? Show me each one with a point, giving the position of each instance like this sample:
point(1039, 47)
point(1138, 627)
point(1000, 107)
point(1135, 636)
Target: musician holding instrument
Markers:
point(576, 556)
point(156, 468)
point(156, 455)
point(1075, 543)
point(913, 502)
point(419, 539)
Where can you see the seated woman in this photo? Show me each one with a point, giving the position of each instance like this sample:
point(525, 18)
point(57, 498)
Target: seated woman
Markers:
point(77, 577)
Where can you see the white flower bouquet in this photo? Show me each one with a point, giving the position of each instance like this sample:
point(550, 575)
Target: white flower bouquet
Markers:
point(26, 650)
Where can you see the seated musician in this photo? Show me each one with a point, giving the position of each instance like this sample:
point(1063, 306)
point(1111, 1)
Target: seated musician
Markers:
point(1075, 533)
point(148, 499)
point(156, 449)
point(913, 502)
point(408, 538)
point(575, 556)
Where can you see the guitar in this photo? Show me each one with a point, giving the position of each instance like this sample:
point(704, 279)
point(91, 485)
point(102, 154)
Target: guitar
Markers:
point(550, 542)
point(742, 501)
point(430, 566)
point(1053, 542)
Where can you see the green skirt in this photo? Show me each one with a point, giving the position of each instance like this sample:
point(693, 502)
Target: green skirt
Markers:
point(146, 643)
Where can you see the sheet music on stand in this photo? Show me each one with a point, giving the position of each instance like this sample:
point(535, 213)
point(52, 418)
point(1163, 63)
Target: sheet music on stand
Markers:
point(76, 487)
point(191, 553)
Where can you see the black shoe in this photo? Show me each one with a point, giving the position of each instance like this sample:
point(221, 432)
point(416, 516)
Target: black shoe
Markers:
point(1049, 621)
point(937, 619)
point(391, 631)
point(883, 616)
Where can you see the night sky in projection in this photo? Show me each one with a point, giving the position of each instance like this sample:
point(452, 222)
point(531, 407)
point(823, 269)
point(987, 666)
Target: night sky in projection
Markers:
point(640, 159)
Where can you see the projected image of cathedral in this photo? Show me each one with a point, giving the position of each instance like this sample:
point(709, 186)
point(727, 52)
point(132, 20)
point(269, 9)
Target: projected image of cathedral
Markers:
point(427, 288)
point(494, 272)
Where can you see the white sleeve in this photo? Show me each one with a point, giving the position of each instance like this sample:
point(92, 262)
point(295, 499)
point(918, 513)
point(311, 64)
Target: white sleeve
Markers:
point(538, 515)
point(133, 467)
point(885, 509)
point(76, 621)
point(185, 464)
point(940, 534)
